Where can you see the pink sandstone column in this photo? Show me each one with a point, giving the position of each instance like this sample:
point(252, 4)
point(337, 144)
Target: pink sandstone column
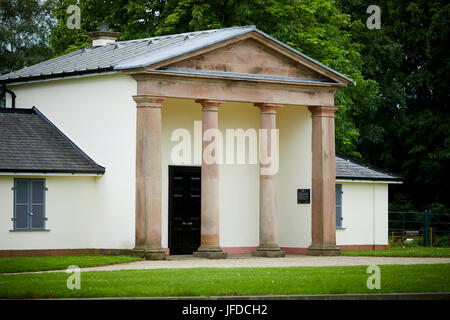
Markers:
point(323, 205)
point(268, 189)
point(148, 177)
point(210, 240)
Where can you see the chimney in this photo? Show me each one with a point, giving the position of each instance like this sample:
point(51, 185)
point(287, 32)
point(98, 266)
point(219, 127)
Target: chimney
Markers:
point(103, 37)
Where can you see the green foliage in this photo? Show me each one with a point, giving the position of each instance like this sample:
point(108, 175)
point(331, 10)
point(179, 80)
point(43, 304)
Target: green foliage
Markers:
point(24, 28)
point(400, 202)
point(416, 242)
point(134, 19)
point(406, 130)
point(442, 241)
point(402, 252)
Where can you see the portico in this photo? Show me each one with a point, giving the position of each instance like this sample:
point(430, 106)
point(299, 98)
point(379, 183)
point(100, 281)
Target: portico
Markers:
point(280, 78)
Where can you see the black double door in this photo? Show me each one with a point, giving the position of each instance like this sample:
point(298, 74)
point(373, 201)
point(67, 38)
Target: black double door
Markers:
point(184, 209)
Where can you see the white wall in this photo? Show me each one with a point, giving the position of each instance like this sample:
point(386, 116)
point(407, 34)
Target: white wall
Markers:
point(70, 207)
point(99, 115)
point(365, 214)
point(294, 220)
point(238, 183)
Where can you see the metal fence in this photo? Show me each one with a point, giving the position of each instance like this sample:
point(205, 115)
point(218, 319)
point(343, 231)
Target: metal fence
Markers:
point(431, 228)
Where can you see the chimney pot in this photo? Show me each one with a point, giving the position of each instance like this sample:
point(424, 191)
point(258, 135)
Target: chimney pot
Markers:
point(103, 37)
point(104, 26)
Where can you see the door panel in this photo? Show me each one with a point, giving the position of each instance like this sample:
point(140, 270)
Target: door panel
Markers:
point(184, 209)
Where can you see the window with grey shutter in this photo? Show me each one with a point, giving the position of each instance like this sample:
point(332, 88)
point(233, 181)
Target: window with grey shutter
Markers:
point(21, 203)
point(29, 204)
point(339, 206)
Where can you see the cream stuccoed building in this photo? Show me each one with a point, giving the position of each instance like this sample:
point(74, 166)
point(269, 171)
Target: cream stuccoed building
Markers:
point(89, 160)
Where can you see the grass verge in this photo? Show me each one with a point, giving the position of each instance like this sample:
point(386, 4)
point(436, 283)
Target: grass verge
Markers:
point(228, 281)
point(28, 264)
point(402, 252)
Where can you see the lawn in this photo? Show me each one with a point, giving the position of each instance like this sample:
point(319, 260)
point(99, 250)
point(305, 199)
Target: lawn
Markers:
point(402, 252)
point(23, 264)
point(228, 281)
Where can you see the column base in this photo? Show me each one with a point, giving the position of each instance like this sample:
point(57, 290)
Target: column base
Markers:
point(210, 253)
point(268, 252)
point(323, 250)
point(138, 252)
point(155, 254)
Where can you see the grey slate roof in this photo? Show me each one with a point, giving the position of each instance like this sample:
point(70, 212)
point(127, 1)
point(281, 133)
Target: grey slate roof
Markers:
point(135, 53)
point(349, 168)
point(29, 142)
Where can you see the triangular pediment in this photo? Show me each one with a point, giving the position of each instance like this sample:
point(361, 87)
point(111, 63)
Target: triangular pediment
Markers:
point(250, 56)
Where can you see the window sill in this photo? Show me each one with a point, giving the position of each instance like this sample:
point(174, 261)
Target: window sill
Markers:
point(340, 228)
point(44, 230)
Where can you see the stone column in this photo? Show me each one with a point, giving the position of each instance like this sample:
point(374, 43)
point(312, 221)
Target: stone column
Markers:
point(148, 177)
point(268, 188)
point(210, 240)
point(323, 205)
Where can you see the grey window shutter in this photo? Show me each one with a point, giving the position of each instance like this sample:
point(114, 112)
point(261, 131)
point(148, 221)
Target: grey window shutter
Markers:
point(339, 205)
point(37, 203)
point(21, 204)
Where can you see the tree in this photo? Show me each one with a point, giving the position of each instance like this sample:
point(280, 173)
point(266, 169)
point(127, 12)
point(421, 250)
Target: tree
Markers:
point(134, 19)
point(408, 131)
point(24, 29)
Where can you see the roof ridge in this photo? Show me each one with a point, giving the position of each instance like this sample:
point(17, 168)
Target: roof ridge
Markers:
point(183, 34)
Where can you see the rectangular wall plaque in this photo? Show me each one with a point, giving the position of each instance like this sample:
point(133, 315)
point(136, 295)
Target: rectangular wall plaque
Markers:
point(303, 195)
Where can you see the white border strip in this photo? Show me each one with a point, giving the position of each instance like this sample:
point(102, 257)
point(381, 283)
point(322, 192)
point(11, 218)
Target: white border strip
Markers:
point(368, 181)
point(51, 174)
point(57, 78)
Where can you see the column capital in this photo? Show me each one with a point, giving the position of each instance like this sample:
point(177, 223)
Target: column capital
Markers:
point(320, 111)
point(148, 101)
point(267, 107)
point(209, 105)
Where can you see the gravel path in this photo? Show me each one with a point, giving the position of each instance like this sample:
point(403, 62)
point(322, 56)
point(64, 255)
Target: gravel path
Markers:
point(247, 261)
point(288, 261)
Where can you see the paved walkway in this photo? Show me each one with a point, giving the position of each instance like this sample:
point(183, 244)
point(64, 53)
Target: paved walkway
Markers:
point(247, 261)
